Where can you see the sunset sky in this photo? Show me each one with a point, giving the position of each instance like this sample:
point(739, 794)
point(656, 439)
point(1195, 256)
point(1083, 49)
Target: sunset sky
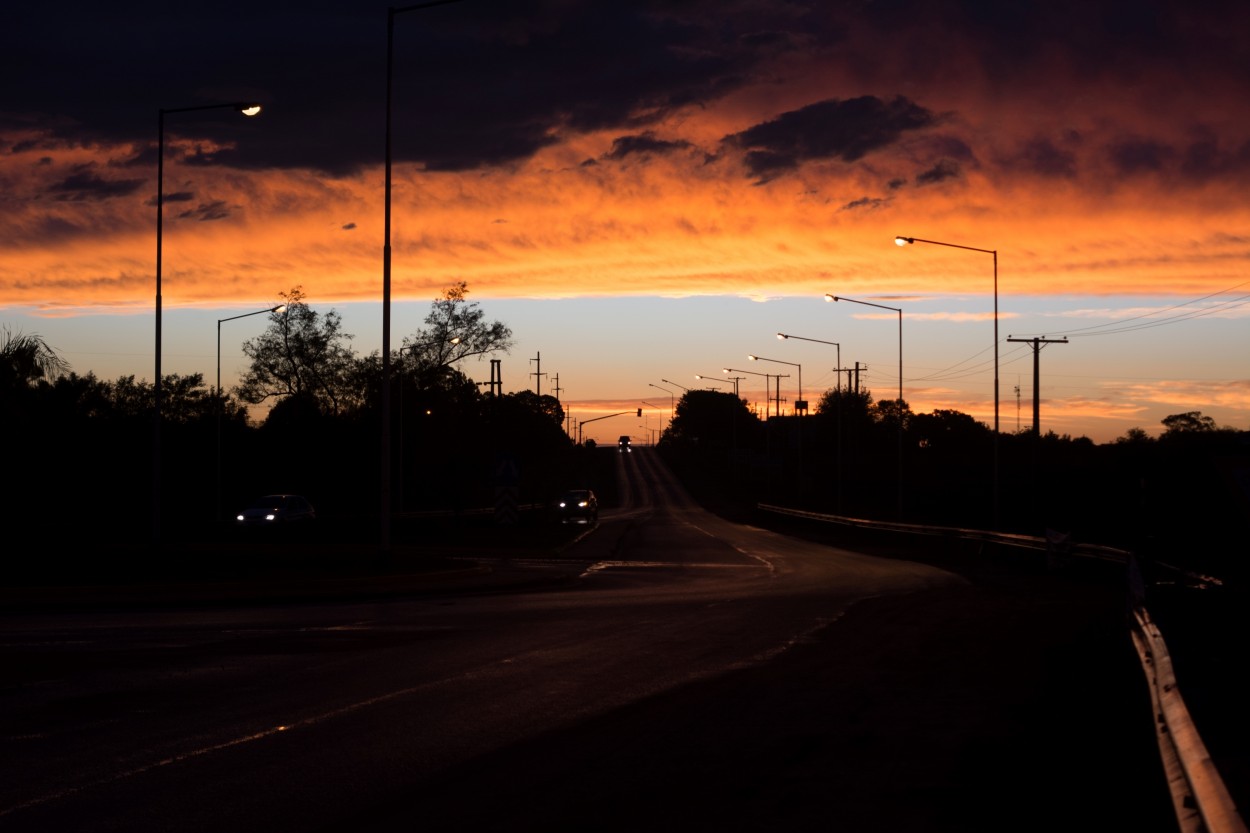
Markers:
point(647, 191)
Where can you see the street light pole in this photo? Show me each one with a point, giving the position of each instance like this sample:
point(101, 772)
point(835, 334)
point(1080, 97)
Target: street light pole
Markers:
point(221, 401)
point(247, 109)
point(784, 336)
point(799, 402)
point(900, 386)
point(899, 240)
point(672, 407)
point(674, 384)
point(767, 381)
point(385, 508)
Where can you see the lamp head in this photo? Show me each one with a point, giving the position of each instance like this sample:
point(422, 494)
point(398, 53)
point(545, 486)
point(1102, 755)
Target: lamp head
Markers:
point(725, 370)
point(248, 109)
point(829, 297)
point(903, 241)
point(782, 336)
point(279, 308)
point(753, 358)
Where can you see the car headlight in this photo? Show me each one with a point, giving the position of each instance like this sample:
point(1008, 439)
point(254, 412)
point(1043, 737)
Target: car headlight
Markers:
point(270, 516)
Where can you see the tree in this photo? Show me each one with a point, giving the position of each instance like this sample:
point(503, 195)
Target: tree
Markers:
point(946, 428)
point(457, 330)
point(1133, 436)
point(713, 420)
point(890, 411)
point(302, 353)
point(27, 358)
point(1190, 422)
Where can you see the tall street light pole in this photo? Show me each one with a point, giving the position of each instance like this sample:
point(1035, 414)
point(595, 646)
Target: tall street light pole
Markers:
point(247, 109)
point(221, 401)
point(385, 508)
point(838, 387)
point(784, 336)
point(674, 384)
point(798, 403)
point(905, 241)
point(900, 386)
point(767, 381)
point(672, 407)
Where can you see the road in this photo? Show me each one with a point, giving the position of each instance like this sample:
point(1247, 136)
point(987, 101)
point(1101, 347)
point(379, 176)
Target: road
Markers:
point(696, 674)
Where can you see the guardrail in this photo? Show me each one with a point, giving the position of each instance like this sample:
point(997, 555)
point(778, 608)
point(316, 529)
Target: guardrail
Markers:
point(1199, 796)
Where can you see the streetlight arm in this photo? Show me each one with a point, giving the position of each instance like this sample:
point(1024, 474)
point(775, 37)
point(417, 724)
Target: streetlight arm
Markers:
point(801, 338)
point(903, 241)
point(247, 108)
point(865, 303)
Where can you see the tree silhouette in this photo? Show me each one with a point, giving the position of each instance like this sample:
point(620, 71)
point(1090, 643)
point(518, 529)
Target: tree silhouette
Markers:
point(302, 353)
point(26, 358)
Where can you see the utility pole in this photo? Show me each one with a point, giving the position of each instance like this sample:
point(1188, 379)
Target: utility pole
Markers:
point(1017, 405)
point(557, 388)
point(537, 374)
point(496, 378)
point(1037, 349)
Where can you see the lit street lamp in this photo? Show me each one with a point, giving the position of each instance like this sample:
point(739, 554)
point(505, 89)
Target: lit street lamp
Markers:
point(904, 241)
point(247, 109)
point(385, 509)
point(800, 403)
point(900, 386)
point(767, 381)
point(220, 400)
point(784, 336)
point(731, 381)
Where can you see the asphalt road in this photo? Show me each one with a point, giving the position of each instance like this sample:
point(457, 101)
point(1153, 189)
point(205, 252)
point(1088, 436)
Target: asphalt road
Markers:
point(672, 671)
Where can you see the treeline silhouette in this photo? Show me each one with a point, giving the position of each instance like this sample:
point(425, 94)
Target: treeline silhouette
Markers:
point(1183, 496)
point(81, 450)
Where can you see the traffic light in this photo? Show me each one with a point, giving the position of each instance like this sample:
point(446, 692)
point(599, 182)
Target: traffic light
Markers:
point(640, 412)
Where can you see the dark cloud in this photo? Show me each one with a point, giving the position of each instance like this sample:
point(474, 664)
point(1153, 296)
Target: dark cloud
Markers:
point(1205, 159)
point(645, 143)
point(863, 204)
point(85, 184)
point(479, 83)
point(176, 196)
point(945, 169)
point(831, 129)
point(490, 82)
point(205, 211)
point(1042, 156)
point(1137, 156)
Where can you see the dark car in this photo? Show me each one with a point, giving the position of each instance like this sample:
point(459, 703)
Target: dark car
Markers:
point(623, 444)
point(579, 505)
point(276, 510)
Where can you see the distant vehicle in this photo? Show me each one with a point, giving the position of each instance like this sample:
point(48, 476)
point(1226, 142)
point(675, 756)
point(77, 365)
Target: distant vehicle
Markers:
point(579, 505)
point(623, 444)
point(273, 510)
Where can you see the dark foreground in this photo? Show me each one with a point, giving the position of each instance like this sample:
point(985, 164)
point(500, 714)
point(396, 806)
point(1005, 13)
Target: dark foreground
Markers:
point(923, 713)
point(930, 712)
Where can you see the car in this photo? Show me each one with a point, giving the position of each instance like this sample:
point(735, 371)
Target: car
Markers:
point(277, 510)
point(623, 444)
point(579, 505)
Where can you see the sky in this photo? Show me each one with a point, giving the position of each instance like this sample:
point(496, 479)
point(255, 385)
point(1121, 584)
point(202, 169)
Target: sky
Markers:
point(649, 191)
